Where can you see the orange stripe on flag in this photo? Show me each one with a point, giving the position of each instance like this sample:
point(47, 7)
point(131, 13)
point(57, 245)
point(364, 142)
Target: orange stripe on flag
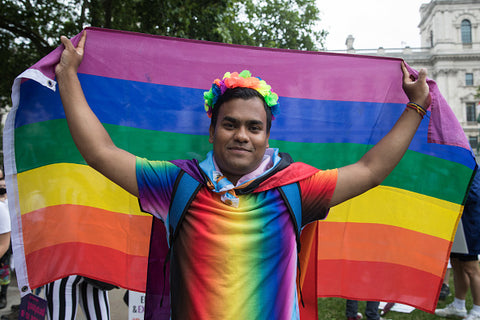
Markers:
point(382, 243)
point(308, 271)
point(72, 223)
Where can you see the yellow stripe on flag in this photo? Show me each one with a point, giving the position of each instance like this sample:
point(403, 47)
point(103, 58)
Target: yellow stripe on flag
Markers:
point(90, 188)
point(42, 187)
point(418, 212)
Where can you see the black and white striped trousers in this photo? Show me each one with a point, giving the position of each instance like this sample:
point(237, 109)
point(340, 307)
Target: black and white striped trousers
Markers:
point(64, 295)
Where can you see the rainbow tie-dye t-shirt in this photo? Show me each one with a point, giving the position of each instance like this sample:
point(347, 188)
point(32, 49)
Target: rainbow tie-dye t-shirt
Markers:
point(233, 263)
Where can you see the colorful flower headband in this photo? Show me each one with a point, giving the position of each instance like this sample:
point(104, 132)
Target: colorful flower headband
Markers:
point(243, 79)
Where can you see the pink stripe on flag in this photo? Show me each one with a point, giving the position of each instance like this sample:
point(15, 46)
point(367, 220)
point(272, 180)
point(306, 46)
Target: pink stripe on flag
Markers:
point(292, 73)
point(195, 64)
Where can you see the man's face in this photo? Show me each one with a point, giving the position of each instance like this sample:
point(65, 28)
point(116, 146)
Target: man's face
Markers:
point(240, 137)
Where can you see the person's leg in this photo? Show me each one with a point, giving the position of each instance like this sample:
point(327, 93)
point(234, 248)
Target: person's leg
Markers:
point(461, 283)
point(351, 308)
point(460, 278)
point(447, 277)
point(445, 290)
point(3, 295)
point(472, 269)
point(5, 273)
point(371, 310)
point(62, 298)
point(94, 302)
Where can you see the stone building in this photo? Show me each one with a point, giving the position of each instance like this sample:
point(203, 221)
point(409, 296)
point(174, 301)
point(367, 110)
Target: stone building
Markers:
point(450, 50)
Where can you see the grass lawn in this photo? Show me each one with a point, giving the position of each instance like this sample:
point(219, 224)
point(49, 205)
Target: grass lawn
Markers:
point(334, 308)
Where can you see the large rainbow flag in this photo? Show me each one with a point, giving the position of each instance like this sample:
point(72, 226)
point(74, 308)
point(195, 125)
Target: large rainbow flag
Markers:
point(390, 244)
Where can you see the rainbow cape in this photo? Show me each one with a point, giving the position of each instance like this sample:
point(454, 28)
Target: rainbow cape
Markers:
point(391, 243)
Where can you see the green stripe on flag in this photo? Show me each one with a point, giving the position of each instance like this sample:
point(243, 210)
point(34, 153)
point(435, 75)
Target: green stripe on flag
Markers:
point(50, 142)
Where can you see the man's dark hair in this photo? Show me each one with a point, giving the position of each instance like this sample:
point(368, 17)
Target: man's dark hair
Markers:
point(240, 93)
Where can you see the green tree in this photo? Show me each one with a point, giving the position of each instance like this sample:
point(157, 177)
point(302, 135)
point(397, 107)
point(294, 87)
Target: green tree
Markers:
point(289, 24)
point(30, 29)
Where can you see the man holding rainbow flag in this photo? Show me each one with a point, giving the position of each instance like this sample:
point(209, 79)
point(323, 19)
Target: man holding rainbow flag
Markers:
point(238, 221)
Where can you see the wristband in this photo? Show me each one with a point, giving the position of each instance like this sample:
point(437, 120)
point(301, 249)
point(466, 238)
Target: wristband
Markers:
point(420, 110)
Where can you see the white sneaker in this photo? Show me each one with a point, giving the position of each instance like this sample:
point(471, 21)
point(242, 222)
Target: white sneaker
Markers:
point(450, 311)
point(473, 315)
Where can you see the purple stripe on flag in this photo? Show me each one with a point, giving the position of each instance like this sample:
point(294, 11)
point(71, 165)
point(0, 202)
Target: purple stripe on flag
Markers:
point(195, 64)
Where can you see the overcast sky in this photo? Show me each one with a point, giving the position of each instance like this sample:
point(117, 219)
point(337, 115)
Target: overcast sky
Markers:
point(373, 23)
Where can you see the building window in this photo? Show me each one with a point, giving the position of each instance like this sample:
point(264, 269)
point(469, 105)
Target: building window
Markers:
point(466, 30)
point(473, 142)
point(469, 79)
point(431, 38)
point(471, 112)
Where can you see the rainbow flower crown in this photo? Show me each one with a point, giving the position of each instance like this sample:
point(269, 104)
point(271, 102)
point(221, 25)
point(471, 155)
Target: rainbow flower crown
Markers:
point(243, 79)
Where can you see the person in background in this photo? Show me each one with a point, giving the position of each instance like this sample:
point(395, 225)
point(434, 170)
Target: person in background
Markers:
point(64, 295)
point(5, 248)
point(465, 267)
point(371, 310)
point(466, 275)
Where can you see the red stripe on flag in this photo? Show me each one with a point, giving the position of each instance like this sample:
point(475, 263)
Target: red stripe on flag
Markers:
point(101, 263)
point(378, 282)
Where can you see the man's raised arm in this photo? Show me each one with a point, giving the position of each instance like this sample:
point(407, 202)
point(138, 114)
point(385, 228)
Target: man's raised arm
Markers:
point(89, 135)
point(379, 161)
